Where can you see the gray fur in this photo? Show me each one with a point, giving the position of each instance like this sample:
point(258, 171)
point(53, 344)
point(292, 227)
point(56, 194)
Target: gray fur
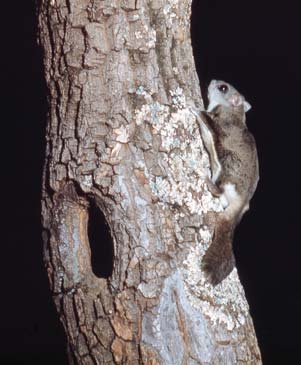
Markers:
point(234, 164)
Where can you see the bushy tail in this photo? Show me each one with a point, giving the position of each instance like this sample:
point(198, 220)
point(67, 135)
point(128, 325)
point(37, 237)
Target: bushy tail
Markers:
point(219, 261)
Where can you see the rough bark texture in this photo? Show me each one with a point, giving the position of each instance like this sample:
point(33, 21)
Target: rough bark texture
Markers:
point(122, 134)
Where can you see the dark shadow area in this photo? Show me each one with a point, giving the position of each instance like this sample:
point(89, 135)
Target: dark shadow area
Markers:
point(101, 242)
point(258, 54)
point(30, 331)
point(34, 358)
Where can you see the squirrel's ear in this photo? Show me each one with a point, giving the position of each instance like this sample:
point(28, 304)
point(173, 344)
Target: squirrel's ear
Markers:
point(247, 106)
point(235, 100)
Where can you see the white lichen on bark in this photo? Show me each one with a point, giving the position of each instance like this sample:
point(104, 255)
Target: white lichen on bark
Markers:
point(186, 166)
point(186, 171)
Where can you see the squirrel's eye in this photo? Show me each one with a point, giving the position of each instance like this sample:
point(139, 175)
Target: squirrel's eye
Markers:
point(223, 88)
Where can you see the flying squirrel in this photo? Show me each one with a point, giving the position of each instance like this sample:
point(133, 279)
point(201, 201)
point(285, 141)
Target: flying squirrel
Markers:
point(234, 167)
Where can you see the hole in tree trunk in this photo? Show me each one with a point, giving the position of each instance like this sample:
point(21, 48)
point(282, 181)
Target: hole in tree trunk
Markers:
point(101, 242)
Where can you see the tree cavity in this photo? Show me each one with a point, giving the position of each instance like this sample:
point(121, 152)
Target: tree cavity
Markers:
point(101, 242)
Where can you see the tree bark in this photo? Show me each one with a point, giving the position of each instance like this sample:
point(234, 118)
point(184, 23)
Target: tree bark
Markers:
point(122, 136)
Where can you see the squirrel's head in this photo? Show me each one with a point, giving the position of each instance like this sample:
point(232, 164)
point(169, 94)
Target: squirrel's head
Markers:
point(222, 93)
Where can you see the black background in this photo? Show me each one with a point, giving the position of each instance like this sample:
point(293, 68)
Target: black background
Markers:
point(254, 45)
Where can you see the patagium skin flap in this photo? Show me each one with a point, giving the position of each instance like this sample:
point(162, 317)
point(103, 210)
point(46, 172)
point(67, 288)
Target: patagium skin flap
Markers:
point(234, 165)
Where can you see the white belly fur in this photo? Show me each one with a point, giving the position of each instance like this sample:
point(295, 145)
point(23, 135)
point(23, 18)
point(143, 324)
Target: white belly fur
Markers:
point(231, 200)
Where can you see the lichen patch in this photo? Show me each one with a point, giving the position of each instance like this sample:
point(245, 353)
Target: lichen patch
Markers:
point(186, 162)
point(230, 307)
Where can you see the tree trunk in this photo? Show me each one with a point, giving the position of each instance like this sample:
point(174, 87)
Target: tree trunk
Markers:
point(123, 143)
